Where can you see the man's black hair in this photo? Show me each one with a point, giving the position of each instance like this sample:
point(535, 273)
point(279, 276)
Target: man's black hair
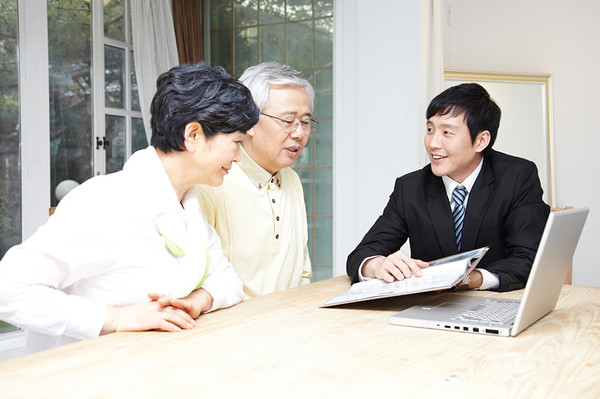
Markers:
point(474, 102)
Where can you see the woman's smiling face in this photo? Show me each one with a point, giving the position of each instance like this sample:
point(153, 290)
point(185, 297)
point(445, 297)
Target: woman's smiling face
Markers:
point(216, 156)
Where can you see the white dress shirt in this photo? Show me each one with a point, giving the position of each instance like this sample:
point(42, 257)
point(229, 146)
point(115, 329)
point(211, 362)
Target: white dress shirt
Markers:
point(106, 245)
point(490, 280)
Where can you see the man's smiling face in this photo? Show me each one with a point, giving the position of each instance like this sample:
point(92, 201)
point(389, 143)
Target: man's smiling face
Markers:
point(449, 146)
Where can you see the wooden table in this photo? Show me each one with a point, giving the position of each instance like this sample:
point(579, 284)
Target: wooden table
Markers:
point(284, 346)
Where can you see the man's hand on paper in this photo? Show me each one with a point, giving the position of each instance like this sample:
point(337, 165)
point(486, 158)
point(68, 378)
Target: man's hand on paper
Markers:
point(396, 266)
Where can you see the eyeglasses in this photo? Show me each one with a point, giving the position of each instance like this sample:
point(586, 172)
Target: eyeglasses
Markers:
point(291, 124)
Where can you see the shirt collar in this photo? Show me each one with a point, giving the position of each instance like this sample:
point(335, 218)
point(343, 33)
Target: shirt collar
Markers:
point(259, 177)
point(468, 183)
point(148, 173)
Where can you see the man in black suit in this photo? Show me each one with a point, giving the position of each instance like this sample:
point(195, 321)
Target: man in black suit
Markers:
point(501, 198)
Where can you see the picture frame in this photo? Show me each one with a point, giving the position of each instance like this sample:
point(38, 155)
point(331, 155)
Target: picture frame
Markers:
point(526, 126)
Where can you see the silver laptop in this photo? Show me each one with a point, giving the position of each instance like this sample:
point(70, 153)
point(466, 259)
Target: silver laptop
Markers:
point(505, 317)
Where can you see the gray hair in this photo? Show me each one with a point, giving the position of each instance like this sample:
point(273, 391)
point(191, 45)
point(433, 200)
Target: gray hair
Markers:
point(259, 79)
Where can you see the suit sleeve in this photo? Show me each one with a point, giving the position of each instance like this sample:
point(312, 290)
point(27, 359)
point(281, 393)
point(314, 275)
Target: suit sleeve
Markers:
point(523, 227)
point(385, 237)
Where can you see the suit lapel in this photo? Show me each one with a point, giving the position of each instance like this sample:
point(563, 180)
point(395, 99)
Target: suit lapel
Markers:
point(440, 214)
point(478, 203)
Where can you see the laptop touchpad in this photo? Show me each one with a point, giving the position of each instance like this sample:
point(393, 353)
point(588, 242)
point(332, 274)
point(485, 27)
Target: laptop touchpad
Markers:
point(445, 305)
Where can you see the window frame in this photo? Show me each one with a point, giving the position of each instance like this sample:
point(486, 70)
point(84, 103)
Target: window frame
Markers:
point(34, 118)
point(99, 110)
point(34, 132)
point(35, 110)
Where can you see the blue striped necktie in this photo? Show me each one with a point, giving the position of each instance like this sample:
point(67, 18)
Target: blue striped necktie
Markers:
point(458, 214)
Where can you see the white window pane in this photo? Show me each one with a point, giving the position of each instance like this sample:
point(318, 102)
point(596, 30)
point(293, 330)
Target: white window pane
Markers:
point(299, 9)
point(114, 71)
point(272, 43)
point(114, 21)
point(221, 14)
point(299, 45)
point(138, 135)
point(69, 54)
point(245, 12)
point(246, 49)
point(115, 149)
point(10, 170)
point(135, 96)
point(272, 11)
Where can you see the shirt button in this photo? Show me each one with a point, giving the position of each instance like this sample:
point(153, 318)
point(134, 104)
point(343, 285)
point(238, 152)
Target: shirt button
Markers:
point(277, 237)
point(277, 218)
point(272, 180)
point(273, 200)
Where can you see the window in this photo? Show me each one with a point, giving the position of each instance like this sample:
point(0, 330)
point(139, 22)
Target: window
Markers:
point(10, 168)
point(298, 33)
point(79, 148)
point(124, 128)
point(70, 68)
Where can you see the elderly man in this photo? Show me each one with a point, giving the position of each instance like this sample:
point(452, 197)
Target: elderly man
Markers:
point(259, 211)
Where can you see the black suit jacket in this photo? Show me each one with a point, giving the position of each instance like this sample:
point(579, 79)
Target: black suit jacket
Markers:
point(505, 211)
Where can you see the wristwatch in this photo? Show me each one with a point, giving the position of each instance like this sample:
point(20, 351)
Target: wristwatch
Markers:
point(464, 284)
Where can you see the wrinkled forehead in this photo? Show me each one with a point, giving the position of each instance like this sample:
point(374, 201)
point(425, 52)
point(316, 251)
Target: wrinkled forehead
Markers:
point(288, 98)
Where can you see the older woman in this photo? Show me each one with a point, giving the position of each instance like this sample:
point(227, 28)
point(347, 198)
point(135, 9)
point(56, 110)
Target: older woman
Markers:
point(132, 251)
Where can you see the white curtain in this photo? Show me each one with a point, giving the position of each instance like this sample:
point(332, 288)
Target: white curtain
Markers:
point(155, 48)
point(432, 81)
point(435, 59)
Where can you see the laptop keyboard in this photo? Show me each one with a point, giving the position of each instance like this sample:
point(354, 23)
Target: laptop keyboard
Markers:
point(490, 311)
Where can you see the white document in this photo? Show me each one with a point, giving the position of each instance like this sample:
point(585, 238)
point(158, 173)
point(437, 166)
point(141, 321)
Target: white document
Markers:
point(441, 274)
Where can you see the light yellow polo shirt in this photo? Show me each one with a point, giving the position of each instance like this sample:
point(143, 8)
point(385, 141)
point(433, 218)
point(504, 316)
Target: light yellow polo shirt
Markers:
point(261, 220)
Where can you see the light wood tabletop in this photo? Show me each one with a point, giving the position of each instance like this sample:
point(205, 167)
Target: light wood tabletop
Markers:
point(284, 345)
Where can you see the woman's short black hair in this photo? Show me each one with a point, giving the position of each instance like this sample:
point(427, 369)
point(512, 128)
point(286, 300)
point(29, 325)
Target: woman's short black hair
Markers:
point(198, 93)
point(471, 99)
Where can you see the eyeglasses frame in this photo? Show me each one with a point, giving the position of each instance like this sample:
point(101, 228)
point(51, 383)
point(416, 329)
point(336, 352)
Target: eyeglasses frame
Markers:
point(313, 123)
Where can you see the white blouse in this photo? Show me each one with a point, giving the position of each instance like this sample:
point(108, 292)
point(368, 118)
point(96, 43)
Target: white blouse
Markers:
point(111, 241)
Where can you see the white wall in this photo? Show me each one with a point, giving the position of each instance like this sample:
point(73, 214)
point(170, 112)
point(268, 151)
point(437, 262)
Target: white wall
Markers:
point(377, 111)
point(561, 38)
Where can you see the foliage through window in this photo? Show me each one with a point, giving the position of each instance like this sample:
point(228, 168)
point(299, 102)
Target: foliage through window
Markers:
point(70, 68)
point(77, 152)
